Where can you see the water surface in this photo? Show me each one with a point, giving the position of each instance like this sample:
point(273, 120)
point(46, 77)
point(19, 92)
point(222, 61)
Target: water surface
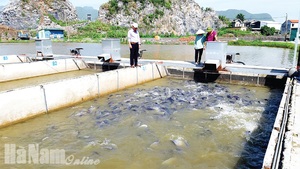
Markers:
point(257, 56)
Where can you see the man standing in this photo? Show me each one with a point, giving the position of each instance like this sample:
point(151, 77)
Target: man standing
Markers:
point(134, 44)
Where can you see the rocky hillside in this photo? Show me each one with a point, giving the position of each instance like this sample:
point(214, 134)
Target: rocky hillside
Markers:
point(177, 17)
point(7, 33)
point(32, 14)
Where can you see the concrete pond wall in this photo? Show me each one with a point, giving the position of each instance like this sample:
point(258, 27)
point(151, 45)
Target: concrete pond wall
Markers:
point(14, 71)
point(22, 103)
point(4, 59)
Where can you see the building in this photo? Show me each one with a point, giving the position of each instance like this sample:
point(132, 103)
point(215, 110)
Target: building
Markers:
point(51, 33)
point(256, 26)
point(89, 17)
point(248, 23)
point(288, 26)
point(238, 24)
point(293, 34)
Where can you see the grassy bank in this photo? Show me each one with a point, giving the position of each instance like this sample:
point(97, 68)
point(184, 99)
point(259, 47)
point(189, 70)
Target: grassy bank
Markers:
point(287, 45)
point(94, 32)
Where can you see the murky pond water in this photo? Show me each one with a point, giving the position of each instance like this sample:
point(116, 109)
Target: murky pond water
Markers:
point(167, 123)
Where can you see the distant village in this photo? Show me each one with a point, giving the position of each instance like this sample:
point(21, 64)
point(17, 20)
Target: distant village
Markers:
point(288, 28)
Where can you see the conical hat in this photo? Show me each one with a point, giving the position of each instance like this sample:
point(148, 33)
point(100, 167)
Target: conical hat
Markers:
point(200, 31)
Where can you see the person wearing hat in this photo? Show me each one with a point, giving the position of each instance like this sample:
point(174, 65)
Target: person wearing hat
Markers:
point(199, 45)
point(134, 44)
point(211, 34)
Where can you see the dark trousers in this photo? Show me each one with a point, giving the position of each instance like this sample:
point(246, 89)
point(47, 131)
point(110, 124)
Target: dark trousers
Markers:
point(198, 55)
point(134, 53)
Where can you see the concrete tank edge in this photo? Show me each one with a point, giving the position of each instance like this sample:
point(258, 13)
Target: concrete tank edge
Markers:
point(25, 103)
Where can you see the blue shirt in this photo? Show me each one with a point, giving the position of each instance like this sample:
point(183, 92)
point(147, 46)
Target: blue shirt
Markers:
point(199, 41)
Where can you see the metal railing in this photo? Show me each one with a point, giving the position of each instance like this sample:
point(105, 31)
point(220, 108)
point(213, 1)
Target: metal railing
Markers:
point(280, 141)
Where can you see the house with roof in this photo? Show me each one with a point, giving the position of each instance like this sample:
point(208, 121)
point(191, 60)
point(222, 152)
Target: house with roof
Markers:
point(290, 27)
point(238, 24)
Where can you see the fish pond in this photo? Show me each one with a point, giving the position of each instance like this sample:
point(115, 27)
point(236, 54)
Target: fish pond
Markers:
point(167, 123)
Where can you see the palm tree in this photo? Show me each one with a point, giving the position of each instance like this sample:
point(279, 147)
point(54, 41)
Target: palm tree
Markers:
point(240, 16)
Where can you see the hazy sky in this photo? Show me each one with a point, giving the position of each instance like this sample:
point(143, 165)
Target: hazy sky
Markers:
point(276, 8)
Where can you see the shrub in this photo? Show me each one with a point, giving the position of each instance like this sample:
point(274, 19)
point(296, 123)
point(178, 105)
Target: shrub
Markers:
point(267, 31)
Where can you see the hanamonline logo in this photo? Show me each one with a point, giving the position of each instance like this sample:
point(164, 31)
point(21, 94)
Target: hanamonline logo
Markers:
point(34, 155)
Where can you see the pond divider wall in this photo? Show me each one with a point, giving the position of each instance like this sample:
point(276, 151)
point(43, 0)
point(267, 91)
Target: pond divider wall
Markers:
point(230, 77)
point(4, 59)
point(23, 103)
point(14, 71)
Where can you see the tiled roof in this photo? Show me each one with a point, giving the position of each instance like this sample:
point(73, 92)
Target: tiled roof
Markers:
point(294, 21)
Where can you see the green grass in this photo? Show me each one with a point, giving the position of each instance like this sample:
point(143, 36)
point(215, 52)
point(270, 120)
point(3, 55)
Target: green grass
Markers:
point(236, 33)
point(287, 45)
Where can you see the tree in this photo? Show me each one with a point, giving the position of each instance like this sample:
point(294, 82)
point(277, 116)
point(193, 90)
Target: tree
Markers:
point(208, 9)
point(224, 20)
point(267, 31)
point(240, 16)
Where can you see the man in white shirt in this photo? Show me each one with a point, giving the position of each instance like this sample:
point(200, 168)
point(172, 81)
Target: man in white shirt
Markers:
point(134, 44)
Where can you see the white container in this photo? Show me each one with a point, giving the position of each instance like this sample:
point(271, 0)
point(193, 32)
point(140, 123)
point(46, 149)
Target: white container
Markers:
point(112, 47)
point(44, 46)
point(216, 51)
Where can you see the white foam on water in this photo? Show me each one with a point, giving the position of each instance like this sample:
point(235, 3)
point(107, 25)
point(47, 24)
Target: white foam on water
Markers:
point(237, 118)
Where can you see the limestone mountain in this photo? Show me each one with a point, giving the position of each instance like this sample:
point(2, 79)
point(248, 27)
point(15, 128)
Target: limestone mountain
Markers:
point(177, 17)
point(232, 13)
point(31, 14)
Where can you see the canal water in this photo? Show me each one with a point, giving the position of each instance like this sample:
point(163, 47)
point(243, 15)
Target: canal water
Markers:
point(167, 123)
point(255, 56)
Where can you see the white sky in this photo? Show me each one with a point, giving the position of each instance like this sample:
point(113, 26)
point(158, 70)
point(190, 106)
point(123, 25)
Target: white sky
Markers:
point(276, 8)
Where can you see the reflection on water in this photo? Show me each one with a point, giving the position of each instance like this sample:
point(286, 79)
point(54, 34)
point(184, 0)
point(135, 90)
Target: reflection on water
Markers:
point(257, 56)
point(167, 123)
point(264, 56)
